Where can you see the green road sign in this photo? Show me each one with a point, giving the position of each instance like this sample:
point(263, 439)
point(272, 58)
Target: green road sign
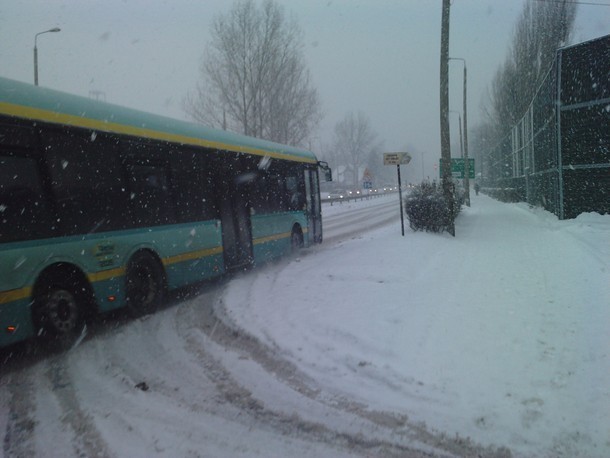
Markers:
point(458, 167)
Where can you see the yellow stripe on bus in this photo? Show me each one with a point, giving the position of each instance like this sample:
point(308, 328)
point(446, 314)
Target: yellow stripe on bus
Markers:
point(271, 238)
point(274, 237)
point(15, 294)
point(192, 255)
point(113, 127)
point(106, 274)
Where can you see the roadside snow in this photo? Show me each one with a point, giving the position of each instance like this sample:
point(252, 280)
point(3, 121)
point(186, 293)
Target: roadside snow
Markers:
point(499, 334)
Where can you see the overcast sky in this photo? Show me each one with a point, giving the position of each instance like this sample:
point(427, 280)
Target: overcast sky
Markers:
point(380, 57)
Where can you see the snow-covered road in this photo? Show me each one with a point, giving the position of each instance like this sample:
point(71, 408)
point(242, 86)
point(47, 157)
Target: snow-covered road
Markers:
point(344, 219)
point(491, 343)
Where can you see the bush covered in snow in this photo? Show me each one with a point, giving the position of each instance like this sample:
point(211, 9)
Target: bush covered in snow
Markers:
point(428, 210)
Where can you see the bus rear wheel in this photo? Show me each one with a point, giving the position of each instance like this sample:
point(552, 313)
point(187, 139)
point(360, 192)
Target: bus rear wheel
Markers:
point(296, 239)
point(145, 284)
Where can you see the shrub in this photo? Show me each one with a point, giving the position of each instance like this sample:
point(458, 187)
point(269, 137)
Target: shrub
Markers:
point(428, 210)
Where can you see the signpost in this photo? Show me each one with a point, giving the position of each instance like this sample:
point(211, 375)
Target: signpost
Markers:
point(398, 159)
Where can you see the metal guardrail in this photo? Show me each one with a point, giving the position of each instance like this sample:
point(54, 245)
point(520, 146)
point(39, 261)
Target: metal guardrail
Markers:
point(355, 197)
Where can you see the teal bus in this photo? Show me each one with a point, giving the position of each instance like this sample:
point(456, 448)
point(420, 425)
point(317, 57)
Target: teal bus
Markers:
point(103, 207)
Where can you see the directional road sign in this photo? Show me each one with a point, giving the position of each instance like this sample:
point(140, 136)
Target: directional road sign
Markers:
point(396, 158)
point(458, 167)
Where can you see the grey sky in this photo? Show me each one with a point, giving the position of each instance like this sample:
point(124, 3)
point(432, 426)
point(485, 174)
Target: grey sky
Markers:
point(376, 56)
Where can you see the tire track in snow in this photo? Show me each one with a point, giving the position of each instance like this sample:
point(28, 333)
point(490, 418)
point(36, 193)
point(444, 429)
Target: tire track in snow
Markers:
point(87, 440)
point(21, 422)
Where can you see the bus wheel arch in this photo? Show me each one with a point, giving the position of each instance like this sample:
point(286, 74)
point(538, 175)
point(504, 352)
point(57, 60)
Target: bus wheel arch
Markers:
point(296, 238)
point(62, 300)
point(145, 283)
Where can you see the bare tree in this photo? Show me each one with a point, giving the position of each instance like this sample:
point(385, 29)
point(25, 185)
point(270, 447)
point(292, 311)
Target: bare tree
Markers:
point(541, 28)
point(354, 140)
point(254, 79)
point(382, 174)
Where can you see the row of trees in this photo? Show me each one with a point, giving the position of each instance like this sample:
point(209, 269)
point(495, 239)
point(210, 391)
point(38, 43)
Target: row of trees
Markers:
point(541, 28)
point(254, 81)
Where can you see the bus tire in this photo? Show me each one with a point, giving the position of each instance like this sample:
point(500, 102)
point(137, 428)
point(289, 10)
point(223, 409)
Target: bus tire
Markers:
point(296, 239)
point(145, 288)
point(58, 310)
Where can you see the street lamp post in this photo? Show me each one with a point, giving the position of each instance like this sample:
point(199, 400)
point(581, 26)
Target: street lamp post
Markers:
point(460, 126)
point(55, 29)
point(466, 163)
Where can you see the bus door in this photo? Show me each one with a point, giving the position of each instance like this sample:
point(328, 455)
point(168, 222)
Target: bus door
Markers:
point(236, 224)
point(314, 212)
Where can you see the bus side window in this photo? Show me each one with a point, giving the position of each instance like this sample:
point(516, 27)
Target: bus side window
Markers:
point(151, 203)
point(23, 209)
point(86, 180)
point(279, 193)
point(261, 197)
point(192, 189)
point(295, 194)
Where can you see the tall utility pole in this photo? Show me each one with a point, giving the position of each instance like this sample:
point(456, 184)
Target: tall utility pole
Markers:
point(466, 163)
point(445, 137)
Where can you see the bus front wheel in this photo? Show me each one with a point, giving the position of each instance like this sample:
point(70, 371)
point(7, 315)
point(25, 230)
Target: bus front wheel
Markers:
point(57, 312)
point(145, 284)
